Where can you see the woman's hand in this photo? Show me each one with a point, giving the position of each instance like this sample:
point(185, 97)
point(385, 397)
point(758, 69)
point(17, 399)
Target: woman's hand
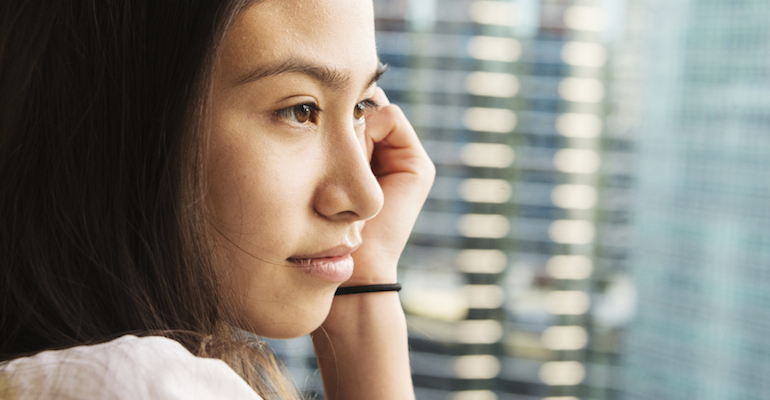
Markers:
point(405, 174)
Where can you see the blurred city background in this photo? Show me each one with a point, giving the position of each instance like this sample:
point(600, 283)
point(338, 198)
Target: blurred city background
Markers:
point(599, 226)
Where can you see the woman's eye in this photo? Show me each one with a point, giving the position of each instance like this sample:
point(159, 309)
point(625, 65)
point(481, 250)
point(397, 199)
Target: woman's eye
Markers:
point(362, 109)
point(301, 113)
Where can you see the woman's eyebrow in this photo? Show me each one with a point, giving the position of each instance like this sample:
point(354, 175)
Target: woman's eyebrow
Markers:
point(332, 78)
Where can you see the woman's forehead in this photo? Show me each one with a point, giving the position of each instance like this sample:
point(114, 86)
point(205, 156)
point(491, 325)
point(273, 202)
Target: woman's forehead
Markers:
point(336, 35)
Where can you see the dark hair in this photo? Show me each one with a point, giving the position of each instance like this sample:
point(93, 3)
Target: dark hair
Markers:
point(103, 124)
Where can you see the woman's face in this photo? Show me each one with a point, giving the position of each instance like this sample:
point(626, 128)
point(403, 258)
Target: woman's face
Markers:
point(290, 185)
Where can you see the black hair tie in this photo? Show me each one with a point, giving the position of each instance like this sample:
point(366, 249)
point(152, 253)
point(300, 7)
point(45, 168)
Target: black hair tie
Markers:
point(388, 287)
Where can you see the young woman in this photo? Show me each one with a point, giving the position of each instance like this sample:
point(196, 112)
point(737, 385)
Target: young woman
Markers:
point(177, 173)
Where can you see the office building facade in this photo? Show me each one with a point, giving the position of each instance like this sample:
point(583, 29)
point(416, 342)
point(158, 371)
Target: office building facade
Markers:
point(515, 277)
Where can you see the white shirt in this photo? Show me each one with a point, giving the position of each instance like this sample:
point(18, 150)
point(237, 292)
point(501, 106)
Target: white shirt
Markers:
point(126, 368)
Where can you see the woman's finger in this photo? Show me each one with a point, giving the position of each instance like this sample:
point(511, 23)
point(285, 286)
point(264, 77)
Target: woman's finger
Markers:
point(394, 141)
point(381, 100)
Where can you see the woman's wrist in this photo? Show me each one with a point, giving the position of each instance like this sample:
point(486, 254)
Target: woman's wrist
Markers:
point(356, 312)
point(373, 325)
point(364, 275)
point(364, 281)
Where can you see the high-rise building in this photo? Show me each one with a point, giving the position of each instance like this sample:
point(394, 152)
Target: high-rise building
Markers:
point(515, 276)
point(702, 255)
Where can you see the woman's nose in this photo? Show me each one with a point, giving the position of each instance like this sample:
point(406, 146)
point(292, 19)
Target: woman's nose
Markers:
point(349, 191)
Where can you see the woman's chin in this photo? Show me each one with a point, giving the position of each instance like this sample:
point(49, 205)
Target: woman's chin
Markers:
point(289, 321)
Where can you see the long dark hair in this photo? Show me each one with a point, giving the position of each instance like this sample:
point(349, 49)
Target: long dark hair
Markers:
point(103, 122)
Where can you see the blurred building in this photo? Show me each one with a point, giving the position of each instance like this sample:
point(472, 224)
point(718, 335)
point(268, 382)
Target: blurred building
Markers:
point(515, 276)
point(702, 262)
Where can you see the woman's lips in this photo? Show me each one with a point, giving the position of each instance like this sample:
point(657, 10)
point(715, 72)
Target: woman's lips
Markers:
point(334, 265)
point(328, 253)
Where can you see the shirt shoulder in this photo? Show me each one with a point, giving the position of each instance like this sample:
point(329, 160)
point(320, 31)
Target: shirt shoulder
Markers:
point(129, 367)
